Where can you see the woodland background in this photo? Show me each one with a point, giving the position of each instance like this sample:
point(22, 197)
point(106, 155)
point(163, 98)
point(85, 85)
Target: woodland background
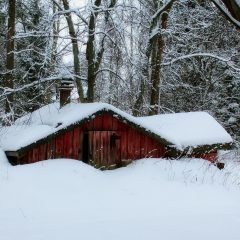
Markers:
point(143, 56)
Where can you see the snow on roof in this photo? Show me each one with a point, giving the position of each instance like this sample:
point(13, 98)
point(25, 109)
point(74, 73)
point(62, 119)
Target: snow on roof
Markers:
point(181, 130)
point(52, 115)
point(15, 137)
point(48, 120)
point(187, 129)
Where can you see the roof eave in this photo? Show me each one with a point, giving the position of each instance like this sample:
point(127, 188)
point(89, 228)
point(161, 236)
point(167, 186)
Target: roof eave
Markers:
point(201, 149)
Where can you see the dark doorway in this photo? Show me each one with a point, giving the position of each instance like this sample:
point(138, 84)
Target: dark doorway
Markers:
point(104, 148)
point(85, 147)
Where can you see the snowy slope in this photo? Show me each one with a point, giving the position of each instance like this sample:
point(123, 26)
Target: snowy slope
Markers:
point(150, 199)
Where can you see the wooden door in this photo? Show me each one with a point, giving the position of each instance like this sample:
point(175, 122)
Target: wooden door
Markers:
point(104, 148)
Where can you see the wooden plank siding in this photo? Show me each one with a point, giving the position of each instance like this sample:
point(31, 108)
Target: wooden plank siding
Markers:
point(111, 143)
point(210, 156)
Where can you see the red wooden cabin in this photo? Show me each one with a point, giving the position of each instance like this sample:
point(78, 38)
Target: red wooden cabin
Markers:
point(97, 134)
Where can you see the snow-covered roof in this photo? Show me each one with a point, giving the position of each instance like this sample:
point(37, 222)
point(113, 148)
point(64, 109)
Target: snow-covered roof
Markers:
point(187, 129)
point(180, 130)
point(49, 120)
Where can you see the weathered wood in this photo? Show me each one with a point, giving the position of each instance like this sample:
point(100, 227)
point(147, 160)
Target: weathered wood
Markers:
point(30, 157)
point(118, 150)
point(76, 143)
point(80, 146)
point(144, 148)
point(211, 156)
point(42, 152)
point(130, 146)
point(107, 122)
point(154, 149)
point(35, 155)
point(59, 146)
point(67, 147)
point(98, 123)
point(51, 149)
point(101, 146)
point(137, 140)
point(115, 124)
point(124, 144)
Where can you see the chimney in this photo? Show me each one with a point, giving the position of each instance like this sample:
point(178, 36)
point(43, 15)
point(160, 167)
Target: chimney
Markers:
point(65, 91)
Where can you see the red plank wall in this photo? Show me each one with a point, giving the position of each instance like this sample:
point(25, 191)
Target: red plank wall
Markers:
point(129, 144)
point(210, 156)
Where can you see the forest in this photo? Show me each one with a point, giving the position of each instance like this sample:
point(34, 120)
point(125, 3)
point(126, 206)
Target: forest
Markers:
point(145, 57)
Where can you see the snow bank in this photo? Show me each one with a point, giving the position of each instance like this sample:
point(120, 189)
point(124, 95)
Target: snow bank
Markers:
point(150, 199)
point(3, 160)
point(4, 169)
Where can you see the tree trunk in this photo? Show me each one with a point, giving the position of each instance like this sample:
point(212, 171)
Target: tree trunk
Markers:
point(9, 77)
point(155, 74)
point(75, 50)
point(233, 7)
point(139, 101)
point(156, 59)
point(153, 46)
point(94, 60)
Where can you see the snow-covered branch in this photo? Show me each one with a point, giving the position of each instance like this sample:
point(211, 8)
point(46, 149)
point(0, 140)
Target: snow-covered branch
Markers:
point(6, 91)
point(228, 61)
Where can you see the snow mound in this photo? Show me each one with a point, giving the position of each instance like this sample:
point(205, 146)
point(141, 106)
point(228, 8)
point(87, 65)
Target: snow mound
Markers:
point(66, 199)
point(3, 160)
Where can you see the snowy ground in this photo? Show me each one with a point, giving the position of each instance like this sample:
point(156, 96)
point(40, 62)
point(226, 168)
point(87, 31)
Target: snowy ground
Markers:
point(150, 199)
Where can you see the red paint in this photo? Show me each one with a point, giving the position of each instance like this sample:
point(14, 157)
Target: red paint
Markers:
point(124, 145)
point(68, 144)
point(59, 146)
point(130, 146)
point(143, 146)
point(137, 143)
point(98, 123)
point(51, 149)
point(42, 152)
point(35, 155)
point(211, 156)
point(107, 122)
point(75, 143)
